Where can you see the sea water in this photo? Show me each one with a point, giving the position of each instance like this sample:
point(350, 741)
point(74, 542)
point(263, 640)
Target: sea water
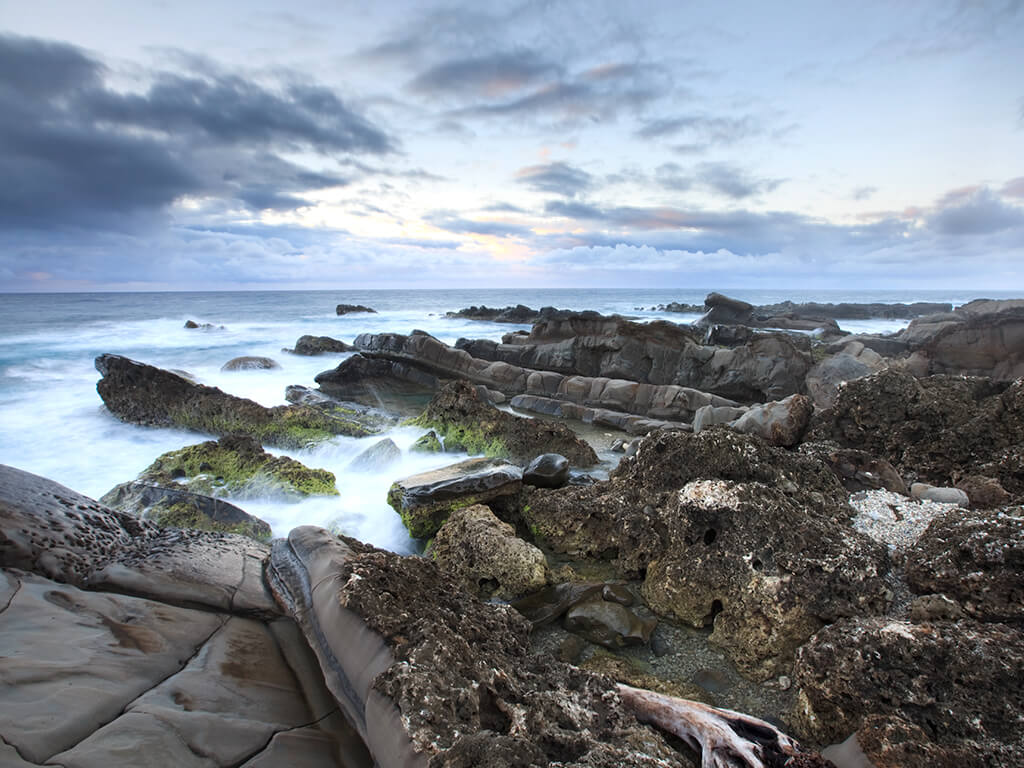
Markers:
point(53, 423)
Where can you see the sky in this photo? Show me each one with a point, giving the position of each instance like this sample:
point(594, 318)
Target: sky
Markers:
point(269, 145)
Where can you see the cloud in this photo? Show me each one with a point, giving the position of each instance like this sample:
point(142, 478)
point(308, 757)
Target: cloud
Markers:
point(1013, 188)
point(863, 193)
point(974, 211)
point(703, 131)
point(456, 224)
point(734, 182)
point(75, 152)
point(557, 178)
point(491, 75)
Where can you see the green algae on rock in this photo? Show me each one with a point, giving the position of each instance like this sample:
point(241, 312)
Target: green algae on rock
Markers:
point(150, 396)
point(237, 466)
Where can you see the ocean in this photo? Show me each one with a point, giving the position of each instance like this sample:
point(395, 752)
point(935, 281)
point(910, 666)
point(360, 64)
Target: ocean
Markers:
point(53, 423)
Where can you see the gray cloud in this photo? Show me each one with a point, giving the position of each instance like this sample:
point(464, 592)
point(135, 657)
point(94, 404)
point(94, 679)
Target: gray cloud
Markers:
point(734, 182)
point(702, 130)
point(454, 223)
point(74, 152)
point(671, 176)
point(489, 75)
point(1013, 188)
point(974, 212)
point(864, 193)
point(558, 178)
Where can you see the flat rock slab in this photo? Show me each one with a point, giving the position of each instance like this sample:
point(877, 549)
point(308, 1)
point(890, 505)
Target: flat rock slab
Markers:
point(425, 500)
point(71, 661)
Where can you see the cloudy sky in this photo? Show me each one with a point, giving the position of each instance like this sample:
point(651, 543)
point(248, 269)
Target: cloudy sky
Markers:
point(181, 145)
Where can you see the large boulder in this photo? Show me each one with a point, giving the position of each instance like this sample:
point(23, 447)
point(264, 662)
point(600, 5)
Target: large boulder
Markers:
point(953, 689)
point(319, 345)
point(975, 558)
point(981, 338)
point(780, 422)
point(724, 310)
point(237, 467)
point(349, 309)
point(933, 430)
point(143, 394)
point(425, 500)
point(176, 508)
point(549, 470)
point(249, 363)
point(396, 386)
point(486, 557)
point(463, 419)
point(854, 361)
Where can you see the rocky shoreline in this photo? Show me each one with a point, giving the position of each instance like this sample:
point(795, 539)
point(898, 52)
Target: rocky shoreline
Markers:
point(822, 531)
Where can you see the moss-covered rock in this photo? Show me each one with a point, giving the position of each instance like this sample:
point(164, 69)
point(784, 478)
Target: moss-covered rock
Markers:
point(468, 423)
point(237, 466)
point(428, 443)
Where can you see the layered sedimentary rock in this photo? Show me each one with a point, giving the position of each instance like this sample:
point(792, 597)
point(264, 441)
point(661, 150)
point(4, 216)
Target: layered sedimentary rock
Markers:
point(146, 395)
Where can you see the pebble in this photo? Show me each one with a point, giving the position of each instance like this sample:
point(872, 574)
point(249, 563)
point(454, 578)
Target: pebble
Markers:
point(892, 519)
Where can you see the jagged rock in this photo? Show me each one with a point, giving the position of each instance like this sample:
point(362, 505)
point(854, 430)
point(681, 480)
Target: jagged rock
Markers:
point(143, 394)
point(854, 361)
point(954, 689)
point(779, 423)
point(857, 470)
point(925, 492)
point(975, 557)
point(517, 314)
point(236, 466)
point(176, 508)
point(250, 364)
point(428, 443)
point(348, 309)
point(372, 418)
point(459, 415)
point(193, 325)
point(442, 678)
point(427, 499)
point(319, 345)
point(485, 556)
point(377, 457)
point(549, 470)
point(981, 338)
point(394, 385)
point(933, 430)
point(633, 425)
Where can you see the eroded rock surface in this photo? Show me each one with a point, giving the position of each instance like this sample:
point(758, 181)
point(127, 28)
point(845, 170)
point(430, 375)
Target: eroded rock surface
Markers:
point(319, 345)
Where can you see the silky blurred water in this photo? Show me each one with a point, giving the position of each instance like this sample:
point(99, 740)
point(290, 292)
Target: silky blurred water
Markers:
point(53, 423)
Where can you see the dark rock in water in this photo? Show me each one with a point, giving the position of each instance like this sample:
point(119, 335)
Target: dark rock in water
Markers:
point(459, 415)
point(722, 310)
point(952, 689)
point(426, 500)
point(176, 508)
point(484, 555)
point(250, 364)
point(608, 623)
point(348, 309)
point(143, 394)
point(428, 443)
point(857, 470)
point(549, 470)
point(193, 325)
point(932, 430)
point(438, 675)
point(976, 558)
point(319, 345)
point(378, 456)
point(238, 467)
point(852, 311)
point(385, 383)
point(372, 418)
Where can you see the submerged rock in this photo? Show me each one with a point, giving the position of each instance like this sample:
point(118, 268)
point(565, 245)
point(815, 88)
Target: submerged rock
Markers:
point(486, 557)
point(237, 466)
point(378, 456)
point(427, 499)
point(349, 309)
point(176, 508)
point(143, 394)
point(462, 418)
point(250, 364)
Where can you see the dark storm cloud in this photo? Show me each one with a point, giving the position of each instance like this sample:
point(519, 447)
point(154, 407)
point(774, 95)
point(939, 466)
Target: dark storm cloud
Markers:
point(460, 226)
point(73, 151)
point(484, 75)
point(557, 178)
point(974, 212)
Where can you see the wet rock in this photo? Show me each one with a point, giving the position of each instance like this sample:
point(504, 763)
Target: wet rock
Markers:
point(445, 678)
point(428, 443)
point(485, 555)
point(932, 430)
point(459, 415)
point(517, 314)
point(192, 325)
point(780, 423)
point(427, 499)
point(854, 311)
point(142, 394)
point(549, 470)
point(607, 623)
point(925, 492)
point(377, 457)
point(373, 419)
point(976, 558)
point(393, 385)
point(319, 345)
point(957, 686)
point(724, 310)
point(349, 309)
point(236, 466)
point(633, 425)
point(248, 363)
point(711, 415)
point(176, 508)
point(854, 361)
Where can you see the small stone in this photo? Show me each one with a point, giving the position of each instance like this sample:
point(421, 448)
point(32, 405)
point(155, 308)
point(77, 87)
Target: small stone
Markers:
point(784, 683)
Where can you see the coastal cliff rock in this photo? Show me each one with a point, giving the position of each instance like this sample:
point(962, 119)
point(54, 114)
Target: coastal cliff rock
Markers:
point(917, 695)
point(146, 395)
point(463, 419)
point(727, 532)
point(981, 338)
point(935, 430)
